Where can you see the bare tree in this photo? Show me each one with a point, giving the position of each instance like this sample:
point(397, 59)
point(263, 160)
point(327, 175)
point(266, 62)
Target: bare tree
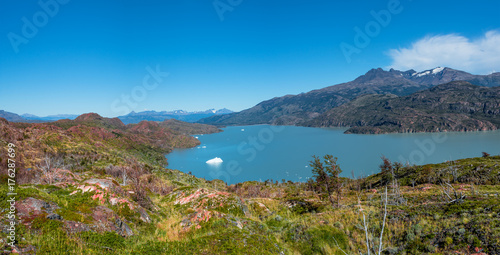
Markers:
point(338, 246)
point(366, 234)
point(366, 229)
point(383, 224)
point(49, 166)
point(124, 176)
point(450, 193)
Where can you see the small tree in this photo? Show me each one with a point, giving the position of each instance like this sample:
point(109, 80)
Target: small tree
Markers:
point(389, 172)
point(386, 170)
point(327, 176)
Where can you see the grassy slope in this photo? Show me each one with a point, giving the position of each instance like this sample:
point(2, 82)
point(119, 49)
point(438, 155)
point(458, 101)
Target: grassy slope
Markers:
point(194, 216)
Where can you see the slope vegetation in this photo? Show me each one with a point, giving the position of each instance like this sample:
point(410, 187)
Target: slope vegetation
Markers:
point(83, 188)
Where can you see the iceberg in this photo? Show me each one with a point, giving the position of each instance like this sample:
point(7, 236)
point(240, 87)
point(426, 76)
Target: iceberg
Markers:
point(214, 161)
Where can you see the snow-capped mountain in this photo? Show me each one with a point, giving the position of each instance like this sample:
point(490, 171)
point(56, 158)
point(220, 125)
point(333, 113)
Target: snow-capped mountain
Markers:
point(136, 117)
point(295, 109)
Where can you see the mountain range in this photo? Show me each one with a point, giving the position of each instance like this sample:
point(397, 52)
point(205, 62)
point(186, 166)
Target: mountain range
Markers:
point(136, 117)
point(133, 117)
point(301, 108)
point(453, 106)
point(49, 118)
point(11, 116)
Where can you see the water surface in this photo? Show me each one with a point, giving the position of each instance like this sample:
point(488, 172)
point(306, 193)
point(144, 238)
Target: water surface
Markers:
point(264, 152)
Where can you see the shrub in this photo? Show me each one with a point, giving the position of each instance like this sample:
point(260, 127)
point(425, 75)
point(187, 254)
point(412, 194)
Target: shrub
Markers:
point(430, 248)
point(392, 250)
point(448, 240)
point(417, 229)
point(338, 225)
point(114, 171)
point(141, 197)
point(461, 231)
point(300, 206)
point(410, 236)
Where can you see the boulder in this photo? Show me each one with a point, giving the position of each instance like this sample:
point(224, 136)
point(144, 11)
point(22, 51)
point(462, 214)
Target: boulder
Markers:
point(123, 228)
point(107, 220)
point(103, 183)
point(32, 207)
point(54, 216)
point(144, 215)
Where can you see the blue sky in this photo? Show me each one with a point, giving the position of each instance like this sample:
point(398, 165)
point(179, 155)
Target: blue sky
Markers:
point(92, 56)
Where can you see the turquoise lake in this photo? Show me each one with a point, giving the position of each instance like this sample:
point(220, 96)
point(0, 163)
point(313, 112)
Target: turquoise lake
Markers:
point(264, 152)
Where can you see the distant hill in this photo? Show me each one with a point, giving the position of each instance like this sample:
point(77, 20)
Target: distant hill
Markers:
point(136, 117)
point(11, 116)
point(454, 106)
point(88, 141)
point(30, 118)
point(93, 129)
point(294, 109)
point(186, 128)
point(174, 126)
point(49, 118)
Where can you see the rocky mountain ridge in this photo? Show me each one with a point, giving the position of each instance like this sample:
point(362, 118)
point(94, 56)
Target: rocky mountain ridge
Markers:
point(454, 106)
point(295, 109)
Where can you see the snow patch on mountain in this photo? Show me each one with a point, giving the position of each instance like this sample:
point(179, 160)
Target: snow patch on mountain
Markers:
point(437, 70)
point(427, 72)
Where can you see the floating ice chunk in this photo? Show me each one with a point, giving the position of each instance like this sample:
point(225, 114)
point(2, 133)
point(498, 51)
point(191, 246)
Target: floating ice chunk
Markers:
point(196, 137)
point(242, 129)
point(214, 161)
point(203, 147)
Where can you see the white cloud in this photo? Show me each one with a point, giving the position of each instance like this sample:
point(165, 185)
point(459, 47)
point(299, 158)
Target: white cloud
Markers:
point(477, 56)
